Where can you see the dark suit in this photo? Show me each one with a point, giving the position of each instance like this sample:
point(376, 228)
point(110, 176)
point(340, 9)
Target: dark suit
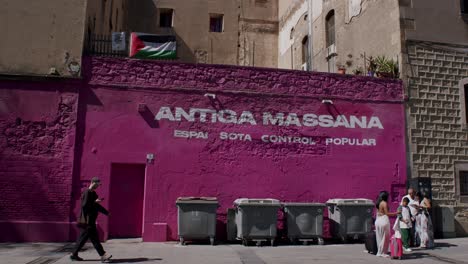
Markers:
point(87, 221)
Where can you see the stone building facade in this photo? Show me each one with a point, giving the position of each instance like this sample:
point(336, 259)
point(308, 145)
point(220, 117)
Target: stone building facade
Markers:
point(434, 51)
point(437, 128)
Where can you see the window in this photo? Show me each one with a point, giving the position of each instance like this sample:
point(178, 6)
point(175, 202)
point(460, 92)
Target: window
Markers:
point(464, 6)
point(464, 10)
point(330, 28)
point(465, 89)
point(216, 23)
point(165, 17)
point(463, 183)
point(464, 102)
point(305, 49)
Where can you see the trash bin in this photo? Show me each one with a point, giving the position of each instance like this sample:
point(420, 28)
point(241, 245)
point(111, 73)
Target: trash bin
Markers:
point(350, 218)
point(304, 221)
point(256, 220)
point(196, 218)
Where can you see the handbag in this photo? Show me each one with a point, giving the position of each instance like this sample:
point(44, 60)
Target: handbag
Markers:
point(82, 220)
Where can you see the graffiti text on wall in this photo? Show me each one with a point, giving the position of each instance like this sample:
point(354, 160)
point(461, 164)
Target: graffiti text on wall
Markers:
point(267, 118)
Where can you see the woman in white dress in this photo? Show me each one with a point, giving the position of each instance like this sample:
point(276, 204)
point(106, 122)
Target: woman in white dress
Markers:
point(417, 224)
point(382, 224)
point(426, 231)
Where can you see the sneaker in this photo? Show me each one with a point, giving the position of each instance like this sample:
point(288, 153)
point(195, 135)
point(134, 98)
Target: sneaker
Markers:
point(75, 258)
point(105, 258)
point(407, 249)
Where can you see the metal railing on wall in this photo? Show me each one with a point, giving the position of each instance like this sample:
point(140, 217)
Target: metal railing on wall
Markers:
point(107, 45)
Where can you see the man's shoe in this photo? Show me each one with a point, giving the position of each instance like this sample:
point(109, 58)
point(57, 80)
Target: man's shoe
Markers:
point(105, 258)
point(75, 258)
point(407, 249)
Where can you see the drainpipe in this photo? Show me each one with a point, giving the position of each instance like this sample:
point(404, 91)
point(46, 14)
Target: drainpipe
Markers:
point(310, 37)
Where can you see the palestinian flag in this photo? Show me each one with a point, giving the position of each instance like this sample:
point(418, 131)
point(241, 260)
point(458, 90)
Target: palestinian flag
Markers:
point(149, 46)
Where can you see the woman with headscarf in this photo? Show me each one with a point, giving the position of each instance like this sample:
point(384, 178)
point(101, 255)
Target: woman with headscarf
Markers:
point(382, 224)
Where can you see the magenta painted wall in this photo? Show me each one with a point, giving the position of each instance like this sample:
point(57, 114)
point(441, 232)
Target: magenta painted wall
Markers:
point(117, 133)
point(37, 136)
point(109, 129)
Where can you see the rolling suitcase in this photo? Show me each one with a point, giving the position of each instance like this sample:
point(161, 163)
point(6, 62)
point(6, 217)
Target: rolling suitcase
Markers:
point(371, 243)
point(396, 248)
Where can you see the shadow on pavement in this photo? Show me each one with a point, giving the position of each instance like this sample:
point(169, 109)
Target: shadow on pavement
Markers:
point(443, 245)
point(128, 260)
point(416, 255)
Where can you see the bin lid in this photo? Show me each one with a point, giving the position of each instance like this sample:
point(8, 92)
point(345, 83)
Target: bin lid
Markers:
point(263, 202)
point(351, 202)
point(304, 204)
point(197, 200)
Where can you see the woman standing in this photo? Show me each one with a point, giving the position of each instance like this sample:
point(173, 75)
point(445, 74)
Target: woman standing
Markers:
point(382, 224)
point(417, 224)
point(426, 231)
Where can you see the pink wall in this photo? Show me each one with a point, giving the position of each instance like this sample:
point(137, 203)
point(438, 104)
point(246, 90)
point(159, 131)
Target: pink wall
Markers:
point(37, 136)
point(229, 169)
point(109, 129)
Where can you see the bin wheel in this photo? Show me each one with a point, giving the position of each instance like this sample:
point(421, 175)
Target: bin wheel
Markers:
point(293, 240)
point(182, 242)
point(212, 241)
point(320, 241)
point(245, 243)
point(305, 242)
point(259, 243)
point(344, 239)
point(272, 242)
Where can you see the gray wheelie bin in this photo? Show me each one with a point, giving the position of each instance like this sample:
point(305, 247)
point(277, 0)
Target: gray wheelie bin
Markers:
point(256, 220)
point(304, 221)
point(350, 218)
point(196, 218)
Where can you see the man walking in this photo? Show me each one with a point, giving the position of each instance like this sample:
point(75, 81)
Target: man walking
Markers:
point(90, 207)
point(413, 211)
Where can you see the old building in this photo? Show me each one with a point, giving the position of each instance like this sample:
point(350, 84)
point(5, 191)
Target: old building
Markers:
point(240, 32)
point(428, 41)
point(131, 117)
point(48, 40)
point(42, 39)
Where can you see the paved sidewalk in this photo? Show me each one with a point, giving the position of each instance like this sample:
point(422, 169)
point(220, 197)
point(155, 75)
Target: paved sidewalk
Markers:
point(454, 251)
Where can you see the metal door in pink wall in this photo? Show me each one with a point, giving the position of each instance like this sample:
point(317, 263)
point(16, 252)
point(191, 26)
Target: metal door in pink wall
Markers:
point(126, 200)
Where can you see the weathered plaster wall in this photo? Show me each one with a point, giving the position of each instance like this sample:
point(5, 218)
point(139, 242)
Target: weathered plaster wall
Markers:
point(249, 36)
point(37, 37)
point(37, 133)
point(375, 31)
point(433, 20)
point(293, 27)
point(115, 132)
point(105, 17)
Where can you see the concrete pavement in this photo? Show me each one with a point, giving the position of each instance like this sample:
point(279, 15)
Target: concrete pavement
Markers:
point(453, 251)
